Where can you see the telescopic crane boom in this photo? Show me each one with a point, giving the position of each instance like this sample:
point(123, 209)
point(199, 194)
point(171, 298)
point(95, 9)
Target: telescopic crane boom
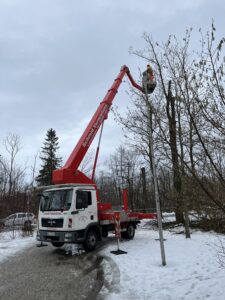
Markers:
point(69, 173)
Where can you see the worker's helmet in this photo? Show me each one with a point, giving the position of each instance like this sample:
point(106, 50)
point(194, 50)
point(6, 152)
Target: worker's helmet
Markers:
point(149, 69)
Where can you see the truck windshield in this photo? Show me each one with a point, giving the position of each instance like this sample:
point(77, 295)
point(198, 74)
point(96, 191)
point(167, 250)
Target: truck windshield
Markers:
point(56, 200)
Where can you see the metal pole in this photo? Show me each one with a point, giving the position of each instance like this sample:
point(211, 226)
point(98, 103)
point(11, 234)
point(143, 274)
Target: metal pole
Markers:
point(118, 244)
point(158, 210)
point(97, 152)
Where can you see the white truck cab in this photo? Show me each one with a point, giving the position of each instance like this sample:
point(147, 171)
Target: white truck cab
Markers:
point(67, 214)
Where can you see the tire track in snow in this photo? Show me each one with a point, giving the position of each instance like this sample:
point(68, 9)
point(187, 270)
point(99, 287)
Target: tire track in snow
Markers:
point(111, 276)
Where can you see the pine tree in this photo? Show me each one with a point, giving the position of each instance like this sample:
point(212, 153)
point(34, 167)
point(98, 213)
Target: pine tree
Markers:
point(50, 161)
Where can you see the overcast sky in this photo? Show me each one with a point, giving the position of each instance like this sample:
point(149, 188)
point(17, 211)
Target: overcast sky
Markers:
point(59, 57)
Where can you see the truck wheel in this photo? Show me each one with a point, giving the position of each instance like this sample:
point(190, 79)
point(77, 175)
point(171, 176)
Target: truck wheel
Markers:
point(91, 241)
point(55, 244)
point(104, 233)
point(129, 233)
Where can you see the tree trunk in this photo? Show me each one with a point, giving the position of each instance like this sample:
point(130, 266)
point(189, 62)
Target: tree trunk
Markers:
point(144, 189)
point(177, 182)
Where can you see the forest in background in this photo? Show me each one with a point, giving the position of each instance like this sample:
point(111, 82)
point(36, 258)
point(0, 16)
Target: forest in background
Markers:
point(185, 114)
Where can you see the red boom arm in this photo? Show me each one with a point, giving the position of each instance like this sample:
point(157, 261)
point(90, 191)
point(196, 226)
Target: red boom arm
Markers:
point(70, 173)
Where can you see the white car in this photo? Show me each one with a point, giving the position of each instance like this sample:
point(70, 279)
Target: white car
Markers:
point(20, 219)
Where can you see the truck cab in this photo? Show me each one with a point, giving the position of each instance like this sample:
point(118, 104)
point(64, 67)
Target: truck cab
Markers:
point(67, 213)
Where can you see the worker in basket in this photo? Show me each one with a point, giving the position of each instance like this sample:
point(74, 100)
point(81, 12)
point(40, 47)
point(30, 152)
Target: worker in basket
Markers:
point(148, 80)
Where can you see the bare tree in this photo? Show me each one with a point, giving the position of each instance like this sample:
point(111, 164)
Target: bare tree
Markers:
point(86, 165)
point(124, 165)
point(194, 103)
point(12, 176)
point(14, 173)
point(33, 170)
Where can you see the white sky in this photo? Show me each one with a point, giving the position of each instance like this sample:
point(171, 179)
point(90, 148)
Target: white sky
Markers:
point(58, 59)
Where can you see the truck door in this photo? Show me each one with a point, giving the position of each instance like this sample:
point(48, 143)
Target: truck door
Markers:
point(86, 209)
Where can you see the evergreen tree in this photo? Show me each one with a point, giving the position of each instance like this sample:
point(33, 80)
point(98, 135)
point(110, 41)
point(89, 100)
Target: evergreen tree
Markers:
point(50, 161)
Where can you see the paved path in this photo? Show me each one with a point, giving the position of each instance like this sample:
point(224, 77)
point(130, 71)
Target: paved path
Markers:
point(49, 273)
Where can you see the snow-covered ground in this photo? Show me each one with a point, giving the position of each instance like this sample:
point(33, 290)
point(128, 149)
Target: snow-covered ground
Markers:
point(10, 245)
point(192, 271)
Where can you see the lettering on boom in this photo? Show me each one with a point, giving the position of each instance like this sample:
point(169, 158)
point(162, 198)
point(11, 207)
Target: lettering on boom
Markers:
point(88, 137)
point(96, 126)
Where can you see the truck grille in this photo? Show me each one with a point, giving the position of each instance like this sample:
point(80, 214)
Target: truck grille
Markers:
point(51, 222)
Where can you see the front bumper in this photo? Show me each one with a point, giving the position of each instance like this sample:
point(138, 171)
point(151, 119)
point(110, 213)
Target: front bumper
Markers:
point(61, 236)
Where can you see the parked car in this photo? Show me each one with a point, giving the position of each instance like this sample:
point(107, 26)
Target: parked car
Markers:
point(20, 219)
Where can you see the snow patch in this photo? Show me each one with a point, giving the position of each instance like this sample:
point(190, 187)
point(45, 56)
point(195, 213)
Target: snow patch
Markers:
point(12, 243)
point(192, 271)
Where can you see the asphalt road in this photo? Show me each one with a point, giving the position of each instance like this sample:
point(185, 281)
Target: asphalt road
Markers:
point(49, 273)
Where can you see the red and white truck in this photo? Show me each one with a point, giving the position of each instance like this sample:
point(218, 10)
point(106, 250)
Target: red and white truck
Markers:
point(70, 210)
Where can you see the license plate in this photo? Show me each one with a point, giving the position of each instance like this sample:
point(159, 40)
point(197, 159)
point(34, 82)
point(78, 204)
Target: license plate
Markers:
point(51, 233)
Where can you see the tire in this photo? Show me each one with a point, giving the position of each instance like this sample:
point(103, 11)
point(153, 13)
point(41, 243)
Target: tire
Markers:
point(27, 224)
point(129, 233)
point(104, 233)
point(55, 244)
point(90, 241)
